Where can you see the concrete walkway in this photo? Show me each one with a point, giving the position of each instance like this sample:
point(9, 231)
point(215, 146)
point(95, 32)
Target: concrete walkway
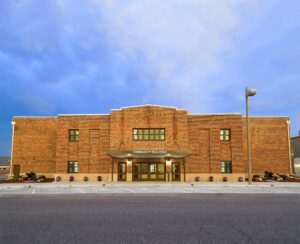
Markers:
point(149, 187)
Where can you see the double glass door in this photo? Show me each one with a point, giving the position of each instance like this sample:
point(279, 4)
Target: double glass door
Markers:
point(149, 172)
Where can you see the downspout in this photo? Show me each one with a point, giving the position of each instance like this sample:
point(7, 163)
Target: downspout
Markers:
point(289, 145)
point(12, 147)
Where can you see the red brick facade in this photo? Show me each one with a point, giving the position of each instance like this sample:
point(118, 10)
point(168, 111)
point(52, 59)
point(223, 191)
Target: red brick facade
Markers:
point(41, 144)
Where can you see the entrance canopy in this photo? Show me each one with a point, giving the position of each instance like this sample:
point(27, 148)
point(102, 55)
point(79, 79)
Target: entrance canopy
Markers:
point(149, 154)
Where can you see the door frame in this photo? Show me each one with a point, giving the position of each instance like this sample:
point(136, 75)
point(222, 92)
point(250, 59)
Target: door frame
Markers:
point(179, 173)
point(16, 172)
point(148, 171)
point(121, 179)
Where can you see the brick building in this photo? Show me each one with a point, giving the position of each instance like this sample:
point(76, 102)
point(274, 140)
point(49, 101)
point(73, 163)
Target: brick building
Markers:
point(145, 143)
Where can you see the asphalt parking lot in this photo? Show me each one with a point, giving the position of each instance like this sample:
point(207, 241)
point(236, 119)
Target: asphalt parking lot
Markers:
point(150, 218)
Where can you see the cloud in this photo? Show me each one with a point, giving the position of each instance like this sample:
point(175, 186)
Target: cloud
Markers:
point(90, 56)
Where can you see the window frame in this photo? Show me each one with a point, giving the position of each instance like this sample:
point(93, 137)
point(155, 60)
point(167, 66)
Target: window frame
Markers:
point(75, 136)
point(73, 167)
point(222, 136)
point(148, 134)
point(227, 167)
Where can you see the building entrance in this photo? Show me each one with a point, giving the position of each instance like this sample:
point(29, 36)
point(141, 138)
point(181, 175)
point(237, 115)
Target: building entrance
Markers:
point(149, 172)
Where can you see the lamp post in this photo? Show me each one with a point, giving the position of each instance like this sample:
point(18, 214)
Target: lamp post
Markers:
point(248, 93)
point(12, 148)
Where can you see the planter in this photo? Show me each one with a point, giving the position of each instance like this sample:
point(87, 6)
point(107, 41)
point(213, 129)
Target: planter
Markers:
point(85, 178)
point(197, 178)
point(99, 178)
point(225, 179)
point(58, 178)
point(211, 178)
point(71, 178)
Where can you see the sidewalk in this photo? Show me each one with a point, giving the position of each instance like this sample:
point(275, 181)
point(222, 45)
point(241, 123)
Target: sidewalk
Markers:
point(149, 187)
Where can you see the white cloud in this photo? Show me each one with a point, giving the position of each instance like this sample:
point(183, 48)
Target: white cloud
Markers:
point(182, 42)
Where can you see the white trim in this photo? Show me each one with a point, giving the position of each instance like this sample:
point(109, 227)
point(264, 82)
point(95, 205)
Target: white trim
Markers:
point(81, 114)
point(268, 116)
point(217, 114)
point(34, 116)
point(146, 105)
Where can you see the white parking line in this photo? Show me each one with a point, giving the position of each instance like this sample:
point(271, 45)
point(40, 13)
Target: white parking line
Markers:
point(127, 189)
point(80, 190)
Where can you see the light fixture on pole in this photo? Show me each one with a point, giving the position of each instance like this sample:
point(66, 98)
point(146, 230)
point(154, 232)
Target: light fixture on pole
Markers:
point(249, 93)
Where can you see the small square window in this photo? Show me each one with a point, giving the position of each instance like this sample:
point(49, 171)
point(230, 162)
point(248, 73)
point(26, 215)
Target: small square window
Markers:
point(226, 167)
point(73, 135)
point(72, 167)
point(225, 135)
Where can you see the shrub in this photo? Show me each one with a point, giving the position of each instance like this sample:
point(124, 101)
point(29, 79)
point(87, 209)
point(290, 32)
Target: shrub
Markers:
point(211, 178)
point(225, 179)
point(58, 178)
point(41, 178)
point(71, 178)
point(31, 175)
point(85, 178)
point(197, 178)
point(99, 178)
point(240, 179)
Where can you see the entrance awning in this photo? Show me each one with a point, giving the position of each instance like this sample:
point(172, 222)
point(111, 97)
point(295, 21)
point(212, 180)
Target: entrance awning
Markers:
point(149, 154)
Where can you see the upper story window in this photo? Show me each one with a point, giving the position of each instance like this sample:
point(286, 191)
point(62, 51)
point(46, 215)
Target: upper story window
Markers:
point(72, 167)
point(73, 135)
point(226, 167)
point(225, 135)
point(148, 134)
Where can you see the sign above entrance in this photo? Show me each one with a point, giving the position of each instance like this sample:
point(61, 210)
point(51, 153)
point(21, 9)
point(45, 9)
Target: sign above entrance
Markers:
point(149, 154)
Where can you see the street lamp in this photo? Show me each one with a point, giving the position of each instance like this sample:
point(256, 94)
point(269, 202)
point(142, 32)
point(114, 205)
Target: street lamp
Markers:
point(248, 93)
point(13, 123)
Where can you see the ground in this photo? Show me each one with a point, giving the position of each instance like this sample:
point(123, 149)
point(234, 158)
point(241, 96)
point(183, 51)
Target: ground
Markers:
point(150, 218)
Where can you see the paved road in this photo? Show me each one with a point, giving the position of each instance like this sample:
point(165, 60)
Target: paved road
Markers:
point(150, 218)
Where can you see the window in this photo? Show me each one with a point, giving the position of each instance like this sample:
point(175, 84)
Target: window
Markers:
point(226, 167)
point(73, 135)
point(149, 134)
point(225, 135)
point(72, 167)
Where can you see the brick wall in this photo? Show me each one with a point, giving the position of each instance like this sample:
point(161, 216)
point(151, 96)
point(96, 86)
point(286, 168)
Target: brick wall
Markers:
point(42, 144)
point(269, 144)
point(207, 149)
point(91, 149)
point(35, 144)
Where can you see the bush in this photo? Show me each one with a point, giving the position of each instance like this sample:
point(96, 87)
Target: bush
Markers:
point(71, 178)
point(58, 178)
point(31, 176)
point(225, 179)
point(85, 178)
point(41, 178)
point(99, 178)
point(211, 178)
point(197, 178)
point(268, 174)
point(240, 179)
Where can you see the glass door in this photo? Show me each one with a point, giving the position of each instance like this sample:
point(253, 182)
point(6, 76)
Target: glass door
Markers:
point(122, 172)
point(148, 172)
point(175, 171)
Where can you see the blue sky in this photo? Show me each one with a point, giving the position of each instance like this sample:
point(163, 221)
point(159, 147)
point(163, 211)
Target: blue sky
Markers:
point(91, 56)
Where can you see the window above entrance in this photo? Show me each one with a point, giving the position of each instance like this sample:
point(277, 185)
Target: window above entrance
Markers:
point(148, 134)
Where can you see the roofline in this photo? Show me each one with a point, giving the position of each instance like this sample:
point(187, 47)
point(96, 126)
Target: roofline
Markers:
point(295, 137)
point(81, 114)
point(266, 116)
point(217, 114)
point(34, 116)
point(147, 105)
